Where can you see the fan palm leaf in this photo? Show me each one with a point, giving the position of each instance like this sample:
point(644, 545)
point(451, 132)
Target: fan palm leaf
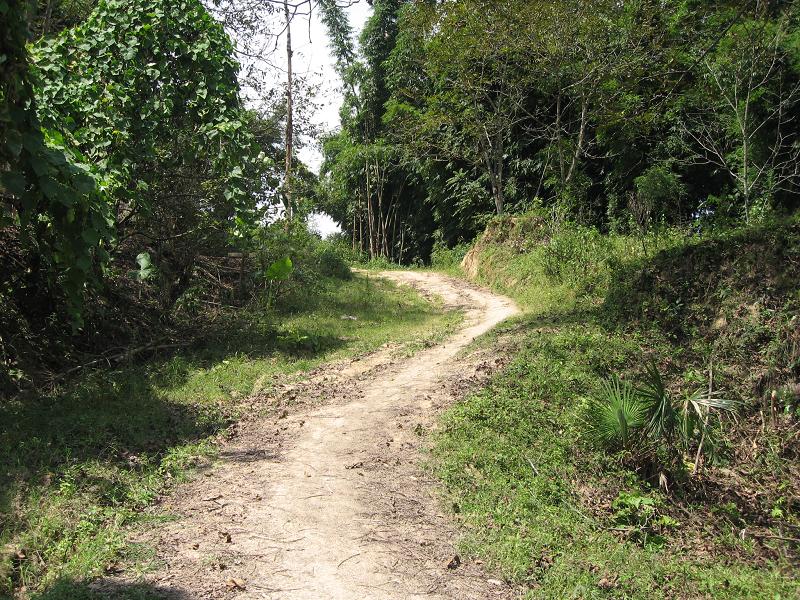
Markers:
point(614, 415)
point(662, 416)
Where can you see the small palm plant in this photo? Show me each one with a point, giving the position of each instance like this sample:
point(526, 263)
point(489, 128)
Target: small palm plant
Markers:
point(639, 419)
point(613, 419)
point(679, 423)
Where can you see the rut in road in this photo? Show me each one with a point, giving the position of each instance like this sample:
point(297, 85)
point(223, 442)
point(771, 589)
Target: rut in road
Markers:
point(330, 502)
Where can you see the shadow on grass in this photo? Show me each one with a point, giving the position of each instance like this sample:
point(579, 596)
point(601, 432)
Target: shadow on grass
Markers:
point(101, 434)
point(527, 323)
point(66, 589)
point(111, 422)
point(118, 416)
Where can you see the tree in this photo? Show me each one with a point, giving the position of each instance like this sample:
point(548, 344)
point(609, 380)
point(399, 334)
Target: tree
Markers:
point(49, 192)
point(743, 121)
point(130, 132)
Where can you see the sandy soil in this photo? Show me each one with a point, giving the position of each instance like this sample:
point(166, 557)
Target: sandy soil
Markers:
point(326, 499)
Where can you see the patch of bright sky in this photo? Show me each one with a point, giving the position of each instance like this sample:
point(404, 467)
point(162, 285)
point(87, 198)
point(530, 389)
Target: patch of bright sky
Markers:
point(313, 59)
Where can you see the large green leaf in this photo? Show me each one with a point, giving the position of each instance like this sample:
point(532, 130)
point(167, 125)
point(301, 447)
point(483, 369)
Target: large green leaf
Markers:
point(279, 270)
point(146, 267)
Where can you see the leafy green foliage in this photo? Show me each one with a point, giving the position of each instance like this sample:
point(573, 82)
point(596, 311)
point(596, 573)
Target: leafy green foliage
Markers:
point(102, 125)
point(279, 270)
point(146, 81)
point(613, 418)
point(630, 115)
point(446, 258)
point(146, 267)
point(48, 189)
point(123, 135)
point(648, 418)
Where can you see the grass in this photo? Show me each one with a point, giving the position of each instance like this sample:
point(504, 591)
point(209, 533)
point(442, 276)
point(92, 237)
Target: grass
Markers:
point(521, 480)
point(79, 465)
point(539, 503)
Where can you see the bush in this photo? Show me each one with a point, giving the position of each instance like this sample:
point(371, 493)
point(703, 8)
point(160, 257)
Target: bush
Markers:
point(332, 264)
point(577, 255)
point(443, 257)
point(342, 245)
point(647, 421)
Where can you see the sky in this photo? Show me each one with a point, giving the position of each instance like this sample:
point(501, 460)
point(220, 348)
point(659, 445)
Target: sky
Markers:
point(312, 58)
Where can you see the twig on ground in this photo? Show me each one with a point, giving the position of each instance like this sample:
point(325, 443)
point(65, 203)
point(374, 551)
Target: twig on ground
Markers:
point(348, 558)
point(120, 356)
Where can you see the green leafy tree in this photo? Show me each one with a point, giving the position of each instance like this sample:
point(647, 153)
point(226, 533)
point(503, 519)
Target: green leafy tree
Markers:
point(146, 91)
point(50, 194)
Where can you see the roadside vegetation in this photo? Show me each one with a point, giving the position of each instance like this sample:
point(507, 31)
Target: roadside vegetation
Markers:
point(81, 461)
point(643, 442)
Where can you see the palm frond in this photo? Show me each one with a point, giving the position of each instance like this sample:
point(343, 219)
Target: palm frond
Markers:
point(662, 415)
point(612, 417)
point(703, 399)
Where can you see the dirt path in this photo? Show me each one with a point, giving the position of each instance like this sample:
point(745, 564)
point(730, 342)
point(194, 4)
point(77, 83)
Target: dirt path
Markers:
point(329, 502)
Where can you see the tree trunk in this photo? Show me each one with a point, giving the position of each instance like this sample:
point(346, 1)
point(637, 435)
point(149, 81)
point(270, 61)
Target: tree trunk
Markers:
point(579, 146)
point(287, 184)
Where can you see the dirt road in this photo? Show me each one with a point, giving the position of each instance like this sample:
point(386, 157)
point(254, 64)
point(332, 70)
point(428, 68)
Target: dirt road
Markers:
point(329, 502)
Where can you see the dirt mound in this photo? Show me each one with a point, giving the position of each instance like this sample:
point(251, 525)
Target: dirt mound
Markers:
point(519, 234)
point(739, 292)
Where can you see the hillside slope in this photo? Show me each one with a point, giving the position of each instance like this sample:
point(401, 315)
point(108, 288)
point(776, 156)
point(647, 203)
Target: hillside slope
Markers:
point(716, 515)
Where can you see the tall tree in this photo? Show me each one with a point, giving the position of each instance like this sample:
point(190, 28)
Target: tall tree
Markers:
point(287, 183)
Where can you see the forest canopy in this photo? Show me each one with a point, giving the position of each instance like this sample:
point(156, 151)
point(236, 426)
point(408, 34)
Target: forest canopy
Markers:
point(616, 114)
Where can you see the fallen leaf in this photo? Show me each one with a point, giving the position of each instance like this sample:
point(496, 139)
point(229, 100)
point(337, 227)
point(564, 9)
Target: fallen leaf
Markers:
point(113, 568)
point(235, 584)
point(225, 536)
point(607, 582)
point(454, 562)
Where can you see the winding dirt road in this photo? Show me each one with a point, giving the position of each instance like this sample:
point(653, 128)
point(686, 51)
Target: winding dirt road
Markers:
point(328, 502)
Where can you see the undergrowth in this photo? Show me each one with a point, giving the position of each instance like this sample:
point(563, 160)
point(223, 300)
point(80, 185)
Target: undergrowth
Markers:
point(565, 516)
point(80, 464)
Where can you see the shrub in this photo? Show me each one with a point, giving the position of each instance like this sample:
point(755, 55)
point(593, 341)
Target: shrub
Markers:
point(647, 421)
point(576, 255)
point(443, 257)
point(342, 245)
point(640, 515)
point(658, 189)
point(331, 264)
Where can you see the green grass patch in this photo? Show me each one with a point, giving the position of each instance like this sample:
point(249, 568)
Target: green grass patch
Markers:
point(524, 485)
point(79, 465)
point(563, 519)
